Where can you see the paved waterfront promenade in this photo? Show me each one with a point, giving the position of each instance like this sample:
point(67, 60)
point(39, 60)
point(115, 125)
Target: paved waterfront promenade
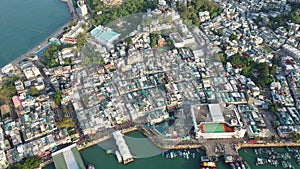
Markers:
point(105, 138)
point(92, 143)
point(72, 9)
point(246, 145)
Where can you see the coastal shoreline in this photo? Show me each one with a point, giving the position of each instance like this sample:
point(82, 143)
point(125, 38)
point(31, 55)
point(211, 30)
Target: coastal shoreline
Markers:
point(41, 45)
point(247, 145)
point(103, 139)
point(132, 129)
point(44, 43)
point(186, 146)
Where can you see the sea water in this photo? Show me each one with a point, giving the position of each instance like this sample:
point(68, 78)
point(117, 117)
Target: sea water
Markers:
point(26, 23)
point(96, 155)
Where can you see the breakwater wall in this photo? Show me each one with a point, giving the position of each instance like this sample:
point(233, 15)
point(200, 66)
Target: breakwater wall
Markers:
point(247, 145)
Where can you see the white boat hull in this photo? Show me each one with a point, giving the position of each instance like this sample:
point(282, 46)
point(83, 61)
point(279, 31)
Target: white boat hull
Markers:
point(119, 157)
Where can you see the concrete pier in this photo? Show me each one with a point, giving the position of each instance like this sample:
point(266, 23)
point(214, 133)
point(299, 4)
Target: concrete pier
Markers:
point(122, 146)
point(210, 146)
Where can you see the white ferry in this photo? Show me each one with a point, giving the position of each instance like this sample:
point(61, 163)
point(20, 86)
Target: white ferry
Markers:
point(91, 166)
point(119, 157)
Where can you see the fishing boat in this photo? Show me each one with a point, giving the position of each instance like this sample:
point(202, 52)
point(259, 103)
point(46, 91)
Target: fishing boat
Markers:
point(288, 149)
point(275, 163)
point(289, 164)
point(214, 158)
point(119, 157)
point(173, 154)
point(228, 159)
point(167, 155)
point(242, 165)
point(91, 166)
point(180, 153)
point(208, 164)
point(193, 155)
point(247, 165)
point(259, 161)
point(272, 149)
point(187, 156)
point(237, 165)
point(205, 159)
point(284, 164)
point(232, 166)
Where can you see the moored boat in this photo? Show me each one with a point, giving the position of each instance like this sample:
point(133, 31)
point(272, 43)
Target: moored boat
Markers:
point(232, 166)
point(237, 165)
point(193, 155)
point(208, 164)
point(284, 164)
point(119, 157)
point(247, 165)
point(205, 159)
point(171, 155)
point(289, 164)
point(91, 166)
point(259, 161)
point(242, 165)
point(288, 149)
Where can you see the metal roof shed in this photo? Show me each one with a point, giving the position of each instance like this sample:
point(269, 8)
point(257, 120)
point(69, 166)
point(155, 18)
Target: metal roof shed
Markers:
point(216, 113)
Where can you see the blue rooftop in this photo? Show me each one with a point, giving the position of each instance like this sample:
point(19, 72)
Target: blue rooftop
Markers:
point(106, 36)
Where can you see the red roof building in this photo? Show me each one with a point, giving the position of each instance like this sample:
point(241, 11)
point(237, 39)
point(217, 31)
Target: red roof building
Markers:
point(17, 102)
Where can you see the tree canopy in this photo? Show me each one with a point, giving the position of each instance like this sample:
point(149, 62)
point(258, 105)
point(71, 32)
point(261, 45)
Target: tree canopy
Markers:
point(261, 73)
point(51, 54)
point(190, 11)
point(153, 40)
point(8, 89)
point(81, 40)
point(29, 163)
point(273, 107)
point(66, 123)
point(110, 13)
point(296, 137)
point(233, 37)
point(33, 91)
point(282, 19)
point(57, 98)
